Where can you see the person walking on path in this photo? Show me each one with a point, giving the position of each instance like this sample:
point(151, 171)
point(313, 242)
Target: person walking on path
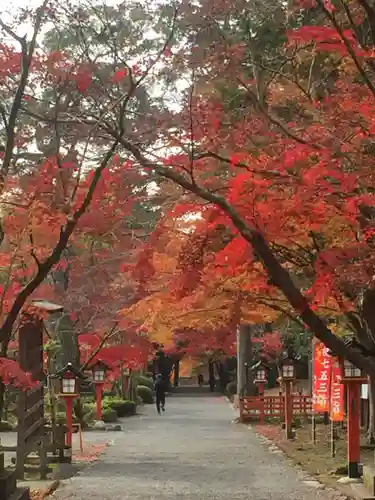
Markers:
point(160, 393)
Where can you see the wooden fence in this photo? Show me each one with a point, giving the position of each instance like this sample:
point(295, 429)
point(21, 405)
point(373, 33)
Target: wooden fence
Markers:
point(31, 436)
point(263, 407)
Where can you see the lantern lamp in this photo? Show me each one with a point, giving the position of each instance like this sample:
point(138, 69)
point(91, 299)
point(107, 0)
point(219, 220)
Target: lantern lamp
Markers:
point(261, 375)
point(68, 377)
point(69, 389)
point(69, 384)
point(99, 372)
point(260, 372)
point(351, 372)
point(288, 369)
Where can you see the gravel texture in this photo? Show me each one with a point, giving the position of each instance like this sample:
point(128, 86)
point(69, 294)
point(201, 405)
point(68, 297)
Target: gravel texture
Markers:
point(194, 452)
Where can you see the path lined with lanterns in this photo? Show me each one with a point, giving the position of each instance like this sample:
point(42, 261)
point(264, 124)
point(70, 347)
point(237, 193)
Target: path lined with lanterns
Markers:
point(192, 451)
point(336, 391)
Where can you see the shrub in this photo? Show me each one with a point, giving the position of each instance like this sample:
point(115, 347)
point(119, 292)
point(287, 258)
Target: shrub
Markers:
point(60, 405)
point(89, 418)
point(139, 401)
point(145, 393)
point(122, 407)
point(109, 416)
point(232, 388)
point(88, 407)
point(145, 381)
point(60, 418)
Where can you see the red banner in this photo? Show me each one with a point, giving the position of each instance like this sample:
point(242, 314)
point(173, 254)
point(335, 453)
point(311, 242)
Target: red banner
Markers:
point(322, 375)
point(337, 393)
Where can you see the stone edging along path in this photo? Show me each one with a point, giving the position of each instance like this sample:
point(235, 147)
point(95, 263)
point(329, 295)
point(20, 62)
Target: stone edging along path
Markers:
point(339, 493)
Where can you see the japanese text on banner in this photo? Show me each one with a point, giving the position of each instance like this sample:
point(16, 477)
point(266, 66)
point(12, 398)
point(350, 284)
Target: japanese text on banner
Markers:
point(337, 393)
point(322, 377)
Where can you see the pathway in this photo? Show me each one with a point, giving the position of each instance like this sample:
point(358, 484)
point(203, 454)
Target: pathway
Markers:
point(191, 452)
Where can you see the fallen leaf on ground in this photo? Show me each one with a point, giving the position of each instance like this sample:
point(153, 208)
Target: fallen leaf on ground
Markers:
point(91, 453)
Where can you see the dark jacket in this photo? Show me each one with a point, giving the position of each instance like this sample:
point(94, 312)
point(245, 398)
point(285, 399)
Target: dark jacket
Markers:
point(159, 386)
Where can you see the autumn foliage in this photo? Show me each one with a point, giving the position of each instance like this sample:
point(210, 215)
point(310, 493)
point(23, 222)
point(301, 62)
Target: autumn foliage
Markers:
point(281, 158)
point(244, 133)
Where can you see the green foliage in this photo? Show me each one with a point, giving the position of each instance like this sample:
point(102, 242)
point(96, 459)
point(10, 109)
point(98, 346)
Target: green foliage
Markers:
point(52, 347)
point(138, 401)
point(146, 381)
point(109, 416)
point(60, 418)
point(85, 419)
point(122, 407)
point(88, 413)
point(145, 393)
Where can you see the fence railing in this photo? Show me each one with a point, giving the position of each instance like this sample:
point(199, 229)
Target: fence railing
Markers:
point(262, 407)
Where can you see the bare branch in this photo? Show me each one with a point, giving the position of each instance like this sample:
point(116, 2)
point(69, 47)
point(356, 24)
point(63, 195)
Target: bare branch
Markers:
point(27, 56)
point(105, 339)
point(331, 16)
point(32, 250)
point(46, 265)
point(275, 121)
point(278, 275)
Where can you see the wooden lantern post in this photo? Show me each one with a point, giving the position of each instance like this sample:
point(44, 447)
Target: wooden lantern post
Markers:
point(353, 378)
point(99, 372)
point(260, 379)
point(68, 378)
point(288, 375)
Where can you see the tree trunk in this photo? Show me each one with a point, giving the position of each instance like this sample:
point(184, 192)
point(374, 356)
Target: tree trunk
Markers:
point(51, 369)
point(68, 340)
point(245, 385)
point(223, 375)
point(131, 391)
point(176, 375)
point(364, 326)
point(122, 380)
point(211, 375)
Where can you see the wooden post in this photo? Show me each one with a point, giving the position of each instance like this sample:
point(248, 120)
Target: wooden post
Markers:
point(125, 386)
point(98, 389)
point(80, 439)
point(69, 420)
point(43, 458)
point(288, 410)
point(354, 427)
point(314, 428)
point(122, 381)
point(261, 388)
point(261, 401)
point(333, 439)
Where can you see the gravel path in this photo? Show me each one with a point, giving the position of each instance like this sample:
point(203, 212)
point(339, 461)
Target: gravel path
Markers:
point(191, 452)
